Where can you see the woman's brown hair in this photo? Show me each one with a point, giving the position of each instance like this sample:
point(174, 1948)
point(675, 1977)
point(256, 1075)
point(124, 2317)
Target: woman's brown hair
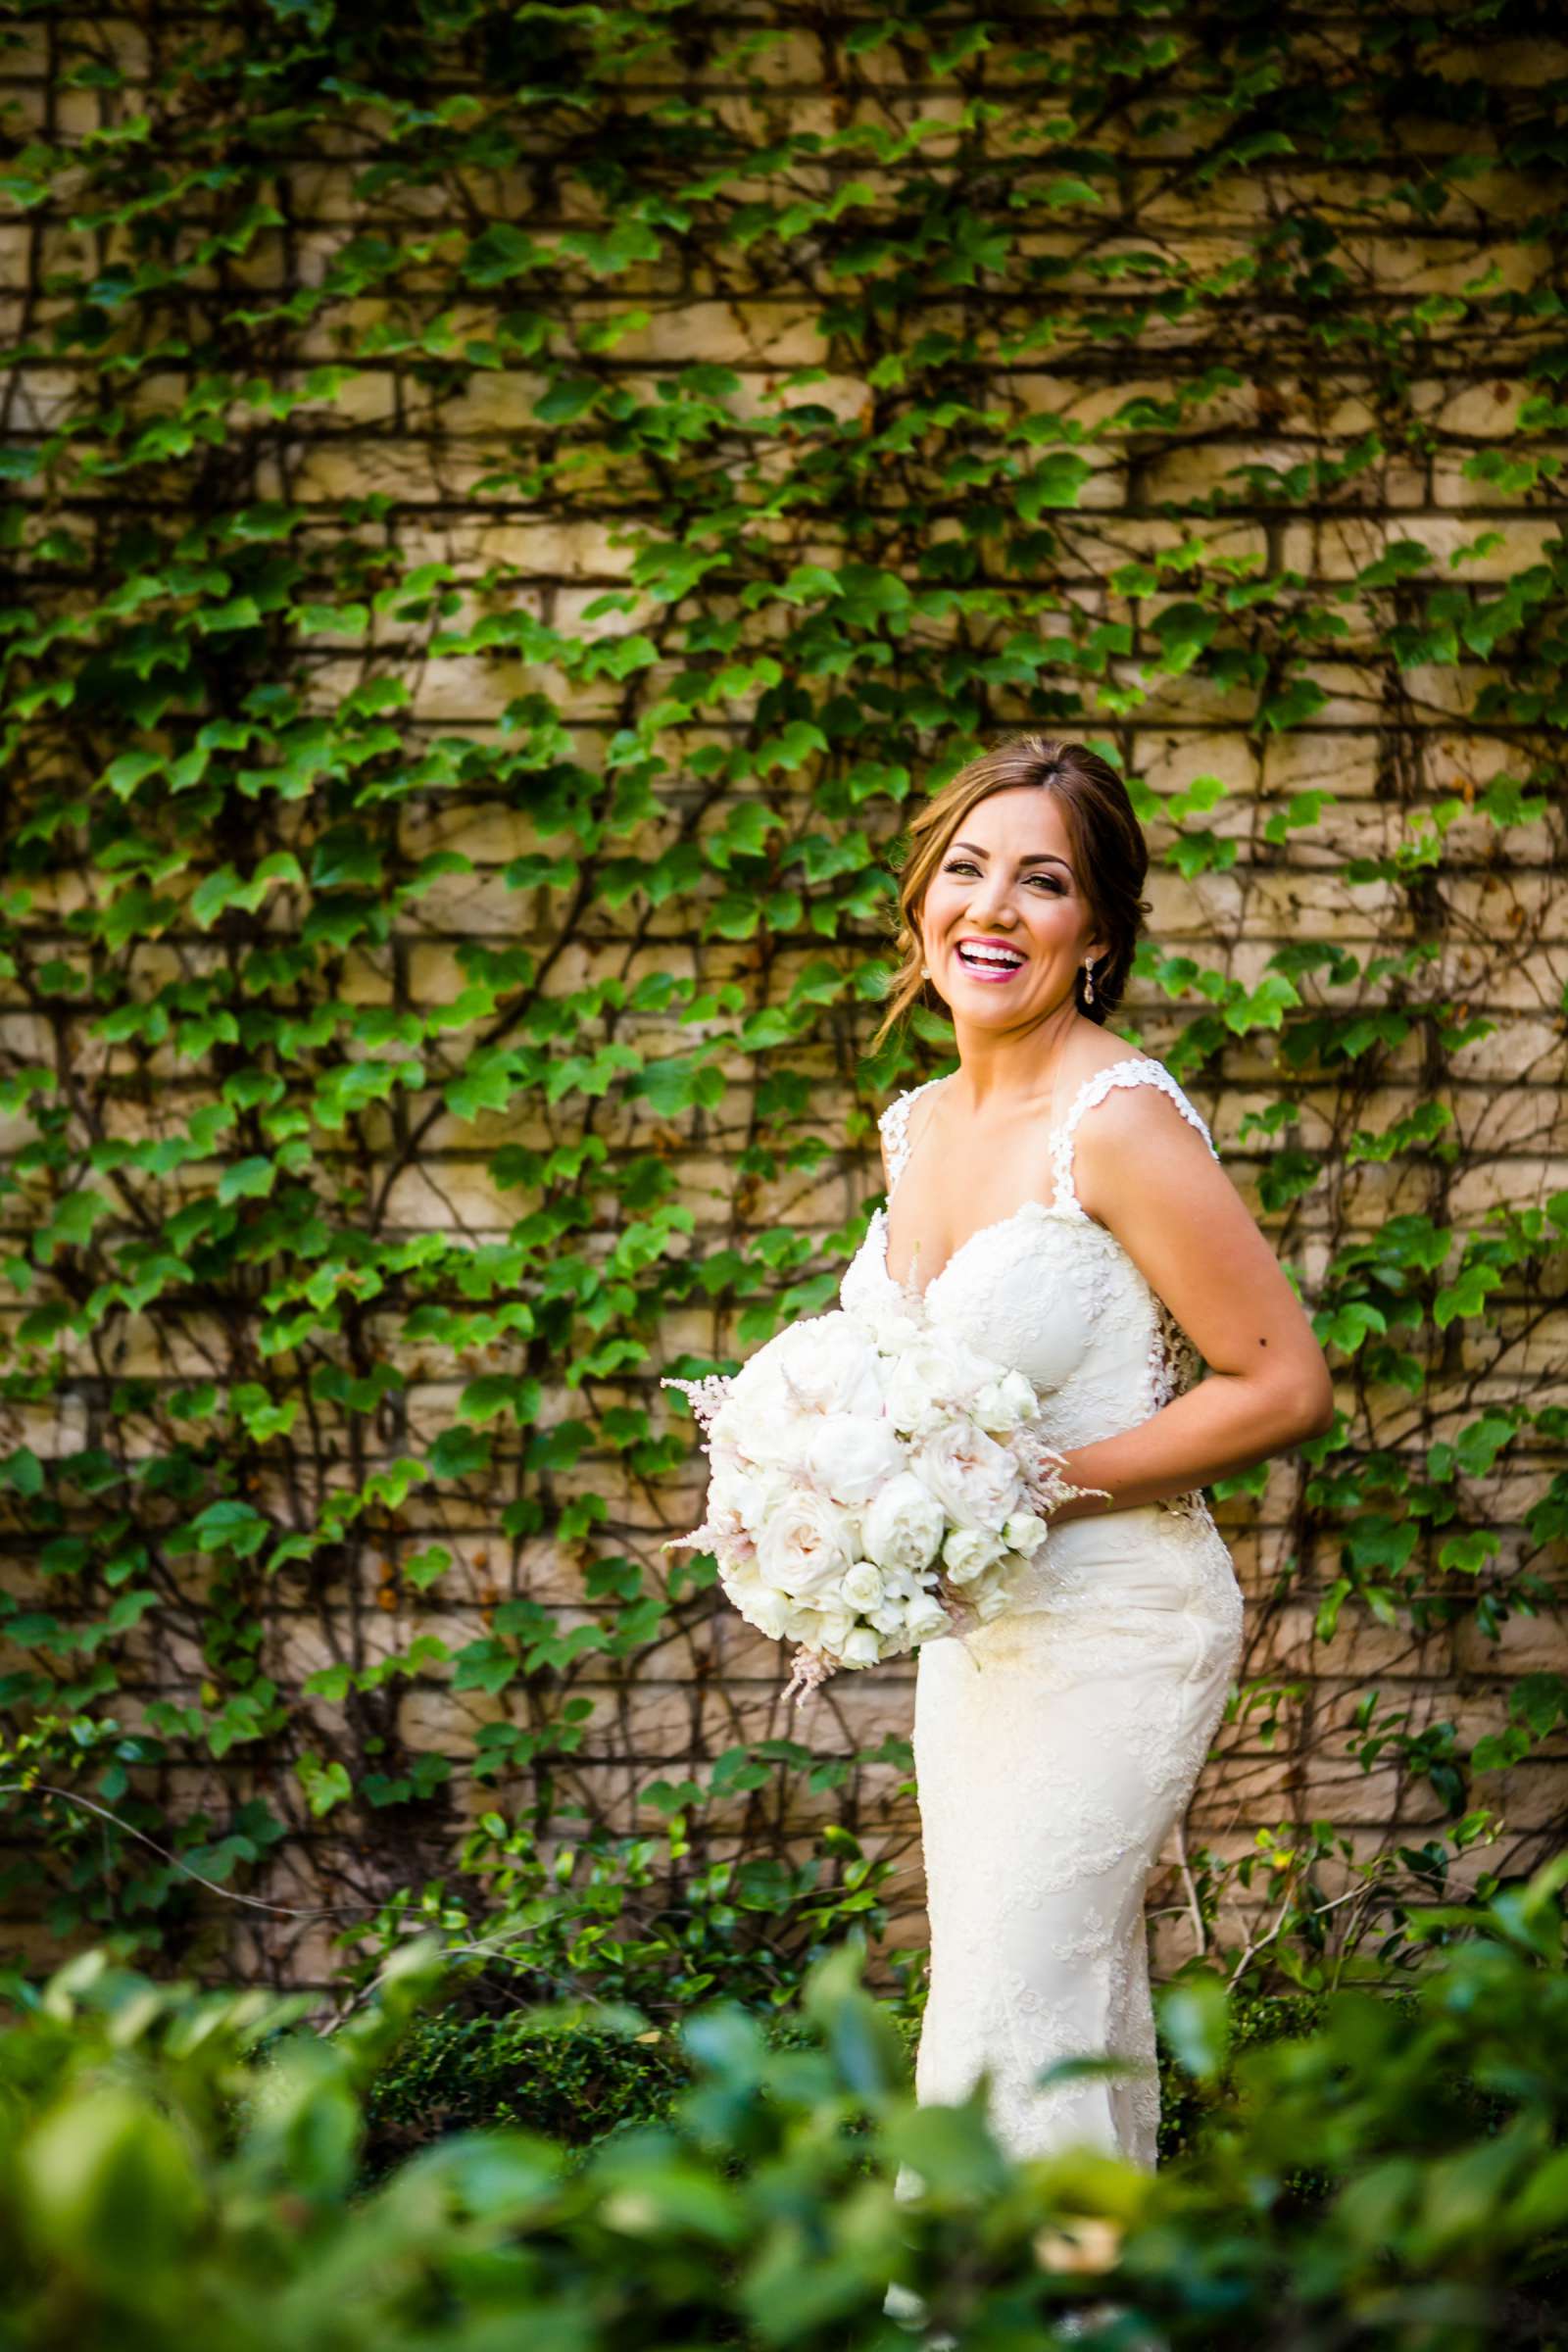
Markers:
point(1109, 853)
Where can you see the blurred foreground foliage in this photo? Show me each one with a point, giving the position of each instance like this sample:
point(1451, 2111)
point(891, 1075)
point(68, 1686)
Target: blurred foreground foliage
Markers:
point(183, 2166)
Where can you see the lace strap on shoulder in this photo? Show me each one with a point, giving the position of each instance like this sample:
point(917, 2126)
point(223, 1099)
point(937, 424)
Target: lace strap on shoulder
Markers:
point(1137, 1070)
point(893, 1123)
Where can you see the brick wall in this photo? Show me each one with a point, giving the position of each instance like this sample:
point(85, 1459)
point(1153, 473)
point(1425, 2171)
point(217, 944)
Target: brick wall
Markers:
point(1388, 743)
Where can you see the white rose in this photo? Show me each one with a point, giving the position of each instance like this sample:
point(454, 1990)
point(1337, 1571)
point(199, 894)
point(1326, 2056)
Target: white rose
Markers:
point(824, 1630)
point(805, 1546)
point(902, 1524)
point(925, 1618)
point(969, 1549)
point(1024, 1533)
point(975, 1479)
point(863, 1648)
point(759, 1604)
point(862, 1587)
point(835, 1630)
point(912, 1408)
point(848, 1455)
point(1006, 1404)
point(990, 1605)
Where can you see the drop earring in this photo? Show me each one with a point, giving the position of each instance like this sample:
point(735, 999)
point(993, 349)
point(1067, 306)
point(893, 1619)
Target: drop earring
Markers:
point(1089, 979)
point(925, 971)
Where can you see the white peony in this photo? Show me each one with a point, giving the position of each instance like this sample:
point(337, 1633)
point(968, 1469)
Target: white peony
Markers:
point(976, 1482)
point(903, 1525)
point(924, 1385)
point(805, 1546)
point(761, 1429)
point(932, 1380)
point(754, 1494)
point(890, 1325)
point(863, 1586)
point(1006, 1404)
point(825, 1365)
point(968, 1550)
point(848, 1455)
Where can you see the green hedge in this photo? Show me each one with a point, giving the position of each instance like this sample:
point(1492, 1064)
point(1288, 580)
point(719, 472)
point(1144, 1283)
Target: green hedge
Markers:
point(580, 2082)
point(181, 2169)
point(574, 2085)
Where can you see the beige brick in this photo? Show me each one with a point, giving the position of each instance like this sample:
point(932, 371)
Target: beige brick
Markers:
point(1485, 410)
point(1502, 64)
point(1339, 547)
point(1416, 267)
point(368, 398)
point(1201, 470)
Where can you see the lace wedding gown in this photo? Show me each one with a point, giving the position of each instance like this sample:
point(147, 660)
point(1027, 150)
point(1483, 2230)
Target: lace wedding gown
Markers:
point(1055, 1748)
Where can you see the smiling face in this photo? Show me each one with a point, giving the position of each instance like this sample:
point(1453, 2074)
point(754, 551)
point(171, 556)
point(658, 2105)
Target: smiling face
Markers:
point(1009, 880)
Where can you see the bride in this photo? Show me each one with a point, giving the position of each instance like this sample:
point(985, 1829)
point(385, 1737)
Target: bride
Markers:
point(1056, 1201)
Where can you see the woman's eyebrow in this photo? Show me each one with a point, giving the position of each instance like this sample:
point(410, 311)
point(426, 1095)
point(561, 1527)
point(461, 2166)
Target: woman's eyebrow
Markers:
point(1035, 858)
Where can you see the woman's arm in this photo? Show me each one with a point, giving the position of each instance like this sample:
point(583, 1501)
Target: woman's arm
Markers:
point(1148, 1176)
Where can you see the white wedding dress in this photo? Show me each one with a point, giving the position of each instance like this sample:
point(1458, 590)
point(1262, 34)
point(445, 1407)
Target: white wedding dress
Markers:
point(1055, 1748)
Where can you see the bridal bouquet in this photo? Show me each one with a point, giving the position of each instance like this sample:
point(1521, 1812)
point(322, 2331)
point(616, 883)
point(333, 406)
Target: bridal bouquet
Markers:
point(871, 1486)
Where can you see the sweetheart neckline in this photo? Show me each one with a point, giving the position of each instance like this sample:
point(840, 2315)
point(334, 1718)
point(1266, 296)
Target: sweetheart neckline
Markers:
point(1068, 1209)
point(1038, 1208)
point(1073, 1214)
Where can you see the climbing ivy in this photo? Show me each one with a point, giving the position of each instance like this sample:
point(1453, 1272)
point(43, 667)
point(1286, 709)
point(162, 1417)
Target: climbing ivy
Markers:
point(510, 507)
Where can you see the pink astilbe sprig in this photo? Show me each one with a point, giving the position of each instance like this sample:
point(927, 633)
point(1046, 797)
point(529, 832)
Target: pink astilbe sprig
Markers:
point(808, 1671)
point(1044, 1473)
point(722, 1531)
point(707, 1396)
